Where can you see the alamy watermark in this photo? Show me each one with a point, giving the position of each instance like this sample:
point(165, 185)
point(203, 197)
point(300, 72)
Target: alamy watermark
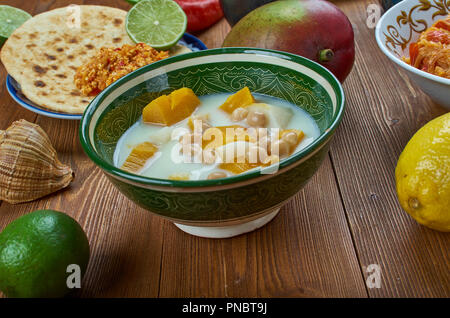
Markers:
point(373, 279)
point(373, 15)
point(74, 279)
point(260, 146)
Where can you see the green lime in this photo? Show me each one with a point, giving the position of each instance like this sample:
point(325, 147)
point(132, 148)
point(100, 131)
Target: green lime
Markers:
point(10, 19)
point(158, 23)
point(132, 2)
point(36, 251)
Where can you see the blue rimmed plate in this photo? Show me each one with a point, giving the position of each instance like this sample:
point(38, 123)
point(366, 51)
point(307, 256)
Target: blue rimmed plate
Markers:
point(14, 88)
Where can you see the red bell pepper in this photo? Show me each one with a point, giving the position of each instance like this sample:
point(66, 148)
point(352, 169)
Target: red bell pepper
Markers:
point(443, 24)
point(201, 14)
point(413, 52)
point(438, 36)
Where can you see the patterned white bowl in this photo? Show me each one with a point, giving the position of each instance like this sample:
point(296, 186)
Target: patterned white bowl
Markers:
point(402, 25)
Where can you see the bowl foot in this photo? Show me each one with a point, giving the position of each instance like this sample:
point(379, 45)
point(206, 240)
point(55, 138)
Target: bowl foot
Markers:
point(228, 231)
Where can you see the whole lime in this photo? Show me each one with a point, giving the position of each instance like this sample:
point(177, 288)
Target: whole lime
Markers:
point(35, 252)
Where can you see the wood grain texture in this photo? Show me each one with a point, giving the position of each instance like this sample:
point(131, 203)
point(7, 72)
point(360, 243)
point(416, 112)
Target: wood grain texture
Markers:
point(384, 110)
point(125, 240)
point(306, 251)
point(346, 218)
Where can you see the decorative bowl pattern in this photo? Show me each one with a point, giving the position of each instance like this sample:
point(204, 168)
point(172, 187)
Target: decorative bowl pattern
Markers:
point(237, 198)
point(402, 25)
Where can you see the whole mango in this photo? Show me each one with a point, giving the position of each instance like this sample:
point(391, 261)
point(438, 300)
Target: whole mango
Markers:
point(315, 29)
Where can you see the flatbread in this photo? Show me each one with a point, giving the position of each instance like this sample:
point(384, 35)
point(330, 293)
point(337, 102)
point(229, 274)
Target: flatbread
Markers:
point(43, 54)
point(179, 49)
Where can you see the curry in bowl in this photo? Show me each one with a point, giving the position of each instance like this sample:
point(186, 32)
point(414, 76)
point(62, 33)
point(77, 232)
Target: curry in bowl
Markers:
point(142, 128)
point(431, 53)
point(414, 35)
point(184, 137)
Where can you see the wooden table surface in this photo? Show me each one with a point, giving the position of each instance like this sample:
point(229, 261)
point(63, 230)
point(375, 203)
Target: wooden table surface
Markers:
point(321, 243)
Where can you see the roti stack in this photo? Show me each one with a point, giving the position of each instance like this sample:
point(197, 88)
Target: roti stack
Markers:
point(44, 53)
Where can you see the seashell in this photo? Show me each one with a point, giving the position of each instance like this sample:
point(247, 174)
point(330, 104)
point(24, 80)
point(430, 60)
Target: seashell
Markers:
point(29, 167)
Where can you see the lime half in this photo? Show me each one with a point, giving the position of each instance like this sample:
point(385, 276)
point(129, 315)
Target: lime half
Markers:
point(10, 19)
point(158, 23)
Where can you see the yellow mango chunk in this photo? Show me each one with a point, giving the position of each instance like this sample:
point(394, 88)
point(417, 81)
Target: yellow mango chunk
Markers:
point(241, 167)
point(139, 156)
point(190, 124)
point(237, 167)
point(204, 118)
point(179, 176)
point(158, 111)
point(300, 135)
point(168, 110)
point(217, 136)
point(184, 102)
point(242, 98)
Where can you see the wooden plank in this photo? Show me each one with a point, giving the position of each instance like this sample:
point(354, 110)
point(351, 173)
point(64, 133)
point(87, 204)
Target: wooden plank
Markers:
point(384, 110)
point(213, 36)
point(125, 240)
point(267, 262)
point(288, 258)
point(306, 251)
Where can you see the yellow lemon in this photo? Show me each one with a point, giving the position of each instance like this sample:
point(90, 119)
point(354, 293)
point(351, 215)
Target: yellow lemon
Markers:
point(423, 175)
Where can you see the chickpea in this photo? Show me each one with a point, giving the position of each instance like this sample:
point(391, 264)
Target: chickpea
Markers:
point(280, 148)
point(239, 114)
point(200, 120)
point(191, 152)
point(209, 156)
point(265, 142)
point(189, 138)
point(186, 139)
point(256, 118)
point(217, 175)
point(291, 138)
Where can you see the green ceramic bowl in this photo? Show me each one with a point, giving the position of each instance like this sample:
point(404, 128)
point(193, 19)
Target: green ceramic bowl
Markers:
point(223, 207)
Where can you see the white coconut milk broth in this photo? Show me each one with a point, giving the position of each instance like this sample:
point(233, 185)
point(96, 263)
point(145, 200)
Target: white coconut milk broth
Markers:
point(168, 160)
